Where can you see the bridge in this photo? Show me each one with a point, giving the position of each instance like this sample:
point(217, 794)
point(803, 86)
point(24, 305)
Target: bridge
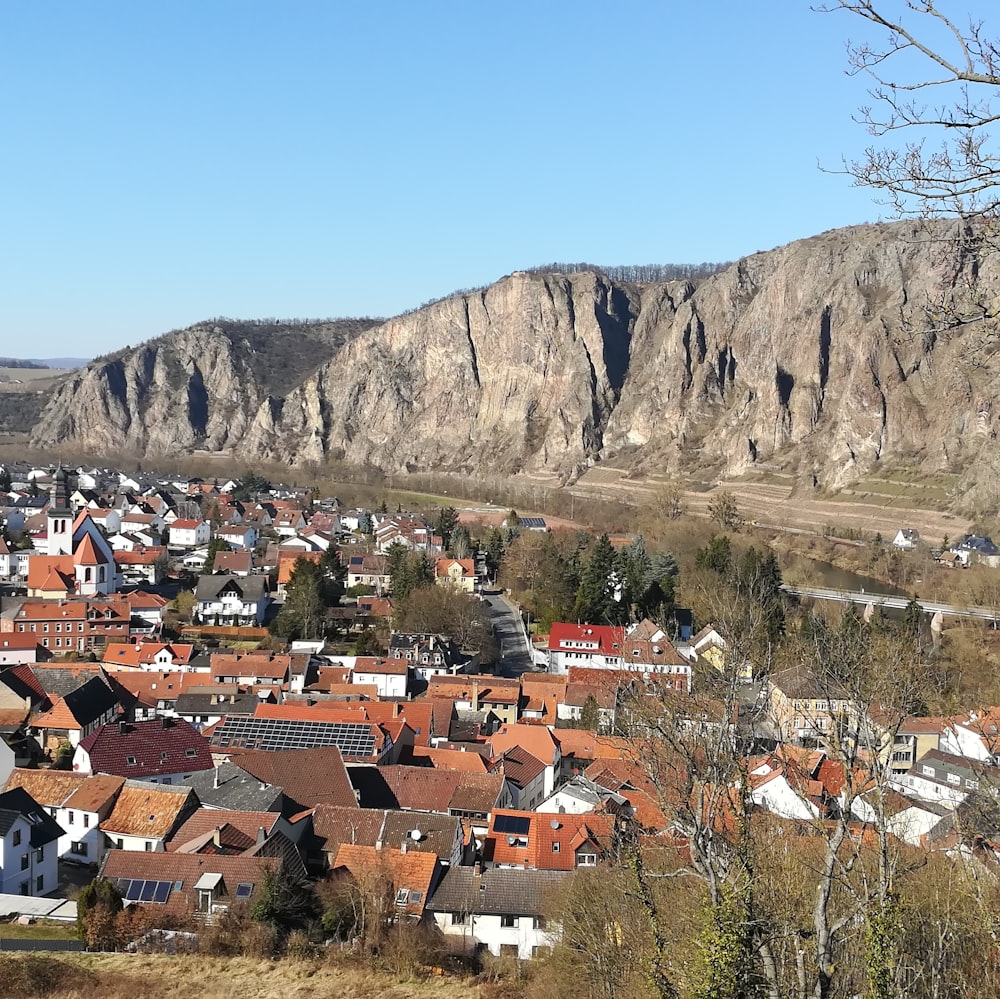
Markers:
point(991, 614)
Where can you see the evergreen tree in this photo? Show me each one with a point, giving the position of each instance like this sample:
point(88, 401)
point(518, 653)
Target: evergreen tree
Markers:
point(304, 613)
point(447, 521)
point(494, 550)
point(716, 555)
point(595, 597)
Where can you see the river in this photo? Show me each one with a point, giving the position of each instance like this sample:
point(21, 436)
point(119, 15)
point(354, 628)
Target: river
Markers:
point(815, 573)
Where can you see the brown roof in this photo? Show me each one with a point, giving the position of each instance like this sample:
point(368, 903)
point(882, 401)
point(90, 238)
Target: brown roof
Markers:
point(430, 790)
point(187, 869)
point(309, 777)
point(206, 820)
point(334, 825)
point(69, 790)
point(412, 871)
point(147, 809)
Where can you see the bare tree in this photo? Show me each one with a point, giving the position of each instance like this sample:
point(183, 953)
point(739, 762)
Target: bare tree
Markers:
point(948, 83)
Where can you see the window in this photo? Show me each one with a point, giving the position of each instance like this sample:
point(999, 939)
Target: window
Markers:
point(191, 753)
point(586, 860)
point(402, 895)
point(148, 846)
point(131, 761)
point(70, 818)
point(954, 779)
point(86, 820)
point(163, 757)
point(555, 847)
point(17, 837)
point(927, 771)
point(39, 882)
point(25, 888)
point(78, 849)
point(45, 627)
point(415, 897)
point(969, 782)
point(538, 922)
point(25, 861)
point(459, 919)
point(508, 922)
point(40, 854)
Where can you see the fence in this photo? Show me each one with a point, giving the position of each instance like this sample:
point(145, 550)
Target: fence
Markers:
point(60, 944)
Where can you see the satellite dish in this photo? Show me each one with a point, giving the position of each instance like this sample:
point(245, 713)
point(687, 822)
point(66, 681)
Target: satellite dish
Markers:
point(511, 840)
point(416, 835)
point(555, 823)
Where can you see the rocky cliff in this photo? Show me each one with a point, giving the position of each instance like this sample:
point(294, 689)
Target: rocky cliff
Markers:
point(828, 356)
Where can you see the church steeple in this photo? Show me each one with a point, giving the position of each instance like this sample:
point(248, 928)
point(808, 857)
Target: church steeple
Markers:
point(59, 497)
point(60, 517)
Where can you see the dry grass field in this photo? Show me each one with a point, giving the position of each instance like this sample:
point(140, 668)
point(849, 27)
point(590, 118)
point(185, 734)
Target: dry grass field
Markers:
point(128, 976)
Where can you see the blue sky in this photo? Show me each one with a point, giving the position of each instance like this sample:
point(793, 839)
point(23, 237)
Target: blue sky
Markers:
point(166, 162)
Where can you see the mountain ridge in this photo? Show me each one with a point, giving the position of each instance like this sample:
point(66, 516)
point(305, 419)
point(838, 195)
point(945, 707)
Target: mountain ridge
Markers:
point(815, 357)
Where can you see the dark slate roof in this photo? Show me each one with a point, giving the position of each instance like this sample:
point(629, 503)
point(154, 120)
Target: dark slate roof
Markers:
point(498, 891)
point(203, 704)
point(251, 587)
point(88, 702)
point(17, 802)
point(60, 680)
point(228, 786)
point(163, 746)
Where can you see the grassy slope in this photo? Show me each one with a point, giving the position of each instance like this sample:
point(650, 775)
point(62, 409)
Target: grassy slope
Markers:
point(124, 976)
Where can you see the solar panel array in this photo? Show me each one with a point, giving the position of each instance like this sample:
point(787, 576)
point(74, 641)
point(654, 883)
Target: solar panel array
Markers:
point(516, 825)
point(137, 890)
point(272, 734)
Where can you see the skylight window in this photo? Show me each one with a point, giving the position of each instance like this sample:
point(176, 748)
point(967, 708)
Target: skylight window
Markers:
point(131, 761)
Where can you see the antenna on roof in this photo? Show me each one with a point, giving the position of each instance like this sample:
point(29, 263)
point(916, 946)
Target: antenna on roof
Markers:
point(416, 835)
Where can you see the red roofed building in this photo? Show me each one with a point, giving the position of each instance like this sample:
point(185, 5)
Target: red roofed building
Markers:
point(165, 751)
point(159, 656)
point(547, 841)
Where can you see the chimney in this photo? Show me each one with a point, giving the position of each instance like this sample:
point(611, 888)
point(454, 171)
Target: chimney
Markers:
point(215, 779)
point(261, 835)
point(217, 836)
point(122, 728)
point(403, 847)
point(477, 869)
point(475, 695)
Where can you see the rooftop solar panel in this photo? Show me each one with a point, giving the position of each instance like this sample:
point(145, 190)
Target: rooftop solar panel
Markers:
point(148, 890)
point(162, 891)
point(517, 825)
point(271, 734)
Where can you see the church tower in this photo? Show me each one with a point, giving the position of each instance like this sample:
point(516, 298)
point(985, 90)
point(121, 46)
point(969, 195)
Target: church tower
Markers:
point(60, 517)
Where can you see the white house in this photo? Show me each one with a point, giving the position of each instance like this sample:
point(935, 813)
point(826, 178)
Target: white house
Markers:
point(906, 539)
point(502, 909)
point(232, 600)
point(29, 861)
point(78, 803)
point(390, 676)
point(237, 536)
point(189, 533)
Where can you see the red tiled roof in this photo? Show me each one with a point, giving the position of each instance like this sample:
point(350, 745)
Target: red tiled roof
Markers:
point(412, 871)
point(164, 746)
point(552, 839)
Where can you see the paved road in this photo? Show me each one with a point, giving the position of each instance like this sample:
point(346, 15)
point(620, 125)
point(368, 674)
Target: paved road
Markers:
point(888, 600)
point(515, 656)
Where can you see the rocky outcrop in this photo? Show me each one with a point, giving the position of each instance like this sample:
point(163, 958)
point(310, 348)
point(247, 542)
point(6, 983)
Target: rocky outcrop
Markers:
point(821, 356)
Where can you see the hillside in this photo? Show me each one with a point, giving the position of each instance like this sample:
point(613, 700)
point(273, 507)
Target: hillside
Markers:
point(123, 976)
point(817, 359)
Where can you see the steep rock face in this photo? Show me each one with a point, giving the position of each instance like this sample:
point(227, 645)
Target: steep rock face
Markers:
point(524, 374)
point(819, 356)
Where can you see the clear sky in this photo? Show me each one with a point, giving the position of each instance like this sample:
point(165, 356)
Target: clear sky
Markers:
point(168, 161)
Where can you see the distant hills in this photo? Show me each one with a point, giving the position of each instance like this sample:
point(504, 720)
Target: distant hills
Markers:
point(60, 363)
